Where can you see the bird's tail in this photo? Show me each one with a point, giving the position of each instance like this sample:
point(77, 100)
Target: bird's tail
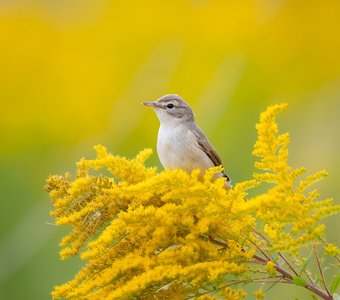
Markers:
point(228, 181)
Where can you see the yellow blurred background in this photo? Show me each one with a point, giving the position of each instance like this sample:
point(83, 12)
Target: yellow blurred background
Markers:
point(73, 74)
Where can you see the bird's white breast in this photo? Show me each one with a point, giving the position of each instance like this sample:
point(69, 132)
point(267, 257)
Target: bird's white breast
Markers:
point(177, 147)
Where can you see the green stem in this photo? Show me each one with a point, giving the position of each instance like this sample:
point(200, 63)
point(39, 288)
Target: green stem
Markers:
point(320, 270)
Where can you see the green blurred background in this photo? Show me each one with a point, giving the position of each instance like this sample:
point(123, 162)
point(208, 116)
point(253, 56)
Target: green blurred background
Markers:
point(73, 74)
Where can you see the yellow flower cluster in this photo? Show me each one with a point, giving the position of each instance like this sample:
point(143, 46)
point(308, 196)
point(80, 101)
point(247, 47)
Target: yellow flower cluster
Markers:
point(289, 211)
point(174, 235)
point(270, 268)
point(144, 232)
point(259, 294)
point(332, 250)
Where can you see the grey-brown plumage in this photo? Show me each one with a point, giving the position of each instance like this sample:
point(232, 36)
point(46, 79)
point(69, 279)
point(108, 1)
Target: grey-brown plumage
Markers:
point(181, 143)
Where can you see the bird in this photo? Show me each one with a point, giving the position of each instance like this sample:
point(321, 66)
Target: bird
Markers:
point(181, 144)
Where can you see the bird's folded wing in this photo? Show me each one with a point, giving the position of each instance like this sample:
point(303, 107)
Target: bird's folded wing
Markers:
point(208, 149)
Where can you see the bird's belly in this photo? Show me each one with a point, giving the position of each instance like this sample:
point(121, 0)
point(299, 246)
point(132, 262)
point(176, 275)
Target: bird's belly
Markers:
point(178, 149)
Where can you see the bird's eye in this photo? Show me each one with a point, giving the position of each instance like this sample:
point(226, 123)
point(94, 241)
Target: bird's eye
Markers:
point(170, 105)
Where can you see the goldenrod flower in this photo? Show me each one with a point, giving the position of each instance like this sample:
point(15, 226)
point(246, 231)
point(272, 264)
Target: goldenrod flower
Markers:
point(259, 294)
point(174, 235)
point(270, 268)
point(332, 250)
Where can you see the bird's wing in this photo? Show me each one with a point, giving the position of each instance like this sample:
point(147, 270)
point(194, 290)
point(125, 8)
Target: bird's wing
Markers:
point(204, 144)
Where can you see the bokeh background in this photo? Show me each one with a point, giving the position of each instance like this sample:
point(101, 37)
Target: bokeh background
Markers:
point(73, 74)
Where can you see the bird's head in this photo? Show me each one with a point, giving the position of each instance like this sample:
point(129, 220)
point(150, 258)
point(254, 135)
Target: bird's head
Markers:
point(171, 109)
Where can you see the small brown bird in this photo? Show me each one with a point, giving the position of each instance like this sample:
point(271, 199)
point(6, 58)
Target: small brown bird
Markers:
point(181, 143)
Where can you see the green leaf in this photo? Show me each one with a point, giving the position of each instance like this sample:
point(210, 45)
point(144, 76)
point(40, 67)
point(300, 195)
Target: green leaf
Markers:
point(335, 283)
point(299, 281)
point(304, 266)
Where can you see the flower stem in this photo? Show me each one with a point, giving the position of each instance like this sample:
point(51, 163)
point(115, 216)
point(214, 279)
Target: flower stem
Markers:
point(320, 270)
point(286, 275)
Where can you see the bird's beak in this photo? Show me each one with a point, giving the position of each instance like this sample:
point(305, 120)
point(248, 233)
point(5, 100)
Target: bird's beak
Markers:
point(152, 104)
